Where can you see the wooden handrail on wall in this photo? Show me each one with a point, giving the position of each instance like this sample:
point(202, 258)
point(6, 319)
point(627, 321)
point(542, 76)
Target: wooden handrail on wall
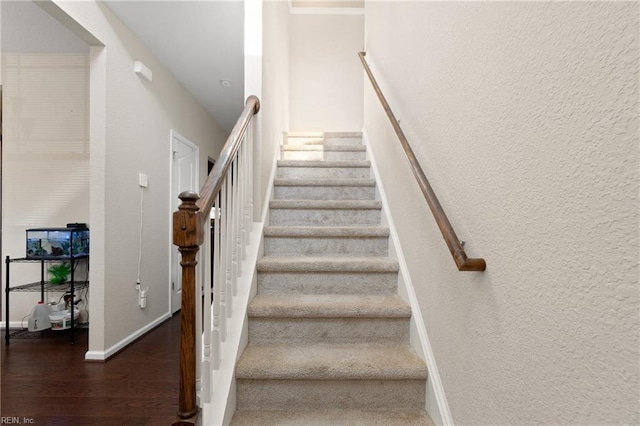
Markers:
point(188, 234)
point(455, 245)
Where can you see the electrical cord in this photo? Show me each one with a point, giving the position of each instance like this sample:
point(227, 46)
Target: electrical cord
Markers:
point(86, 306)
point(140, 236)
point(84, 297)
point(22, 320)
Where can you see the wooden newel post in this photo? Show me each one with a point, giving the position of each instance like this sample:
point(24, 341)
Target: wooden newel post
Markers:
point(188, 236)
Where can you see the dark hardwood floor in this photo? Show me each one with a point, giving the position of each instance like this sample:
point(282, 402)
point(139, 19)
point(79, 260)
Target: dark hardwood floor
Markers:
point(47, 381)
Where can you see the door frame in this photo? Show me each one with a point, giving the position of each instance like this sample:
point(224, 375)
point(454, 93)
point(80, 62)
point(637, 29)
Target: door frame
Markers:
point(174, 135)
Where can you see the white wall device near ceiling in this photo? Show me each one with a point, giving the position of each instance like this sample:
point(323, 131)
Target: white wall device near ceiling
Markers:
point(143, 71)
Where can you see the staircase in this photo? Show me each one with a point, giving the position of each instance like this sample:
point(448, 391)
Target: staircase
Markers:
point(328, 334)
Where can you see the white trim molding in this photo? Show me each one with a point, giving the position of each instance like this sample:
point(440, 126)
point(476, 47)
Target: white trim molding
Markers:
point(13, 325)
point(297, 10)
point(175, 135)
point(436, 400)
point(104, 355)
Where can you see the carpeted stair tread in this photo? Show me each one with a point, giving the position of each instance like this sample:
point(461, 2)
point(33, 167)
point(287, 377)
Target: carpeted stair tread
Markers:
point(324, 134)
point(328, 306)
point(326, 204)
point(364, 361)
point(326, 139)
point(325, 163)
point(319, 188)
point(328, 231)
point(325, 264)
point(328, 334)
point(326, 148)
point(351, 417)
point(324, 182)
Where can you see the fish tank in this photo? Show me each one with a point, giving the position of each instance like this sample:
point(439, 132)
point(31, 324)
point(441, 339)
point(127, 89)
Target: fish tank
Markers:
point(58, 243)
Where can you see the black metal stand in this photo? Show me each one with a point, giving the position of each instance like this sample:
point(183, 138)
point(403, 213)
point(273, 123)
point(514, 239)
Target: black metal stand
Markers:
point(43, 285)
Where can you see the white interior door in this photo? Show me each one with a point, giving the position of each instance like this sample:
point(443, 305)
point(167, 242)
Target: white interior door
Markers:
point(184, 177)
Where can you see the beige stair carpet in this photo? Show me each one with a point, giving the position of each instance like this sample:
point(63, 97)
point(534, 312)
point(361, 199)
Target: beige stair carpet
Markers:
point(328, 334)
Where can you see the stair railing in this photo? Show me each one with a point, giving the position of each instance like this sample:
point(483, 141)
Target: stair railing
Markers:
point(227, 197)
point(456, 247)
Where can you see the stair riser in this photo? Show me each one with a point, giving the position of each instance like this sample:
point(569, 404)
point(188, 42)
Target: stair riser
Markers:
point(388, 395)
point(324, 172)
point(326, 246)
point(324, 193)
point(351, 368)
point(326, 417)
point(327, 283)
point(330, 141)
point(328, 330)
point(324, 217)
point(323, 155)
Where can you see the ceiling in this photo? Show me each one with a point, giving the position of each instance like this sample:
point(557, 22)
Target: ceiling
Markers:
point(26, 28)
point(200, 42)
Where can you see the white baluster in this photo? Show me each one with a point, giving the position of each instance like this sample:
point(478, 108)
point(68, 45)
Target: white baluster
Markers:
point(234, 224)
point(198, 327)
point(231, 183)
point(237, 224)
point(205, 392)
point(250, 143)
point(215, 334)
point(240, 215)
point(207, 314)
point(243, 196)
point(224, 258)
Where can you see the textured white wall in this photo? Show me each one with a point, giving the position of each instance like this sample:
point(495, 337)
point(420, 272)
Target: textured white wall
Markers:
point(139, 117)
point(524, 117)
point(325, 75)
point(275, 78)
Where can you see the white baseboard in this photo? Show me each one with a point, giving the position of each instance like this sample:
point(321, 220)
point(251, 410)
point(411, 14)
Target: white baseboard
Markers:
point(13, 324)
point(222, 406)
point(104, 355)
point(269, 193)
point(436, 400)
